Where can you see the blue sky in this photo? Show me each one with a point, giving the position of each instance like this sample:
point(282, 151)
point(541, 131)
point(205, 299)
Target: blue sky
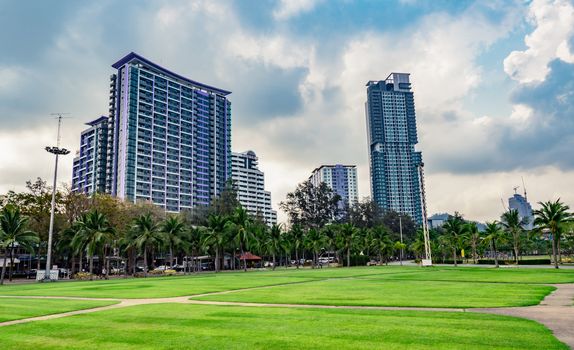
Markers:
point(492, 81)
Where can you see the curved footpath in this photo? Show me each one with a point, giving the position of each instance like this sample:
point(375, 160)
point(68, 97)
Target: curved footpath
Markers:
point(556, 311)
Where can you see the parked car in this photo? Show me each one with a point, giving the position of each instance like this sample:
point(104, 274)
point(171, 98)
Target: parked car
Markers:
point(32, 274)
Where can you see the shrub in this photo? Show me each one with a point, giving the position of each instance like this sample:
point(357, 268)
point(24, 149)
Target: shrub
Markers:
point(84, 276)
point(155, 272)
point(358, 260)
point(169, 272)
point(542, 261)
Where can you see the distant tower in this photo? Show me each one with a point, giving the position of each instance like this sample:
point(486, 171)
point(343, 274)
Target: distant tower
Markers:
point(392, 136)
point(342, 179)
point(520, 203)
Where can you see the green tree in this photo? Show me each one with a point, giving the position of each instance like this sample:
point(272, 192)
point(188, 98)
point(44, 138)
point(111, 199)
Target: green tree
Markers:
point(174, 232)
point(454, 229)
point(13, 230)
point(241, 227)
point(147, 236)
point(297, 240)
point(552, 216)
point(274, 241)
point(311, 206)
point(348, 234)
point(473, 237)
point(513, 224)
point(494, 236)
point(93, 232)
point(216, 236)
point(381, 243)
point(314, 241)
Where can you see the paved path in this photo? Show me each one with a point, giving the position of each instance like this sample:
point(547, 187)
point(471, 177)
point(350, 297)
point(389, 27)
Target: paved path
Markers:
point(556, 312)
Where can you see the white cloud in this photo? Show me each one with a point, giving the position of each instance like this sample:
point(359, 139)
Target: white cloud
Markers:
point(554, 27)
point(291, 8)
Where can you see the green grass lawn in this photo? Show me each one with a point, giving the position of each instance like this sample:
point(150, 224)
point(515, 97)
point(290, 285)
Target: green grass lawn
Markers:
point(474, 274)
point(372, 292)
point(153, 287)
point(16, 308)
point(170, 326)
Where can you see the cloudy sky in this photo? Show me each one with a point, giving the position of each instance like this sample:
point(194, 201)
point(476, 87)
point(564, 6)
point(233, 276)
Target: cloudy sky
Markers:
point(493, 83)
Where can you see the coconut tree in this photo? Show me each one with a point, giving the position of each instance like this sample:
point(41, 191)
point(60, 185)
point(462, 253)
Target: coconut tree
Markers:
point(297, 240)
point(473, 236)
point(240, 226)
point(13, 231)
point(348, 233)
point(454, 229)
point(380, 241)
point(273, 241)
point(147, 235)
point(314, 241)
point(216, 236)
point(494, 236)
point(174, 232)
point(195, 244)
point(513, 224)
point(93, 232)
point(552, 216)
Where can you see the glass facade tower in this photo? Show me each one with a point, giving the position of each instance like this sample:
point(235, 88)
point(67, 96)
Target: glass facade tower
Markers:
point(342, 179)
point(169, 137)
point(395, 166)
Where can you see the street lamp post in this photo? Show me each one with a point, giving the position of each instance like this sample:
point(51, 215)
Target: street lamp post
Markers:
point(56, 151)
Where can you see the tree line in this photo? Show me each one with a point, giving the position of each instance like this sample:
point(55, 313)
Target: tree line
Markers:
point(101, 228)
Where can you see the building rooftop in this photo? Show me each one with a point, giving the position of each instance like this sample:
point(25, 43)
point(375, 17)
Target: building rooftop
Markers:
point(132, 56)
point(97, 121)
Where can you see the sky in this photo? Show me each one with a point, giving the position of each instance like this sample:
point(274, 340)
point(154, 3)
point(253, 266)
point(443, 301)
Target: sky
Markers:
point(493, 83)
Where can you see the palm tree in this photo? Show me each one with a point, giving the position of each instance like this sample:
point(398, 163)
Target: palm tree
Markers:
point(552, 216)
point(195, 244)
point(400, 246)
point(494, 236)
point(454, 229)
point(380, 241)
point(215, 236)
point(174, 231)
point(93, 232)
point(514, 225)
point(473, 236)
point(348, 233)
point(314, 241)
point(13, 231)
point(297, 240)
point(146, 236)
point(274, 241)
point(241, 225)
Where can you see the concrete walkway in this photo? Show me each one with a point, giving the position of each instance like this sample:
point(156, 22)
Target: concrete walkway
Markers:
point(556, 312)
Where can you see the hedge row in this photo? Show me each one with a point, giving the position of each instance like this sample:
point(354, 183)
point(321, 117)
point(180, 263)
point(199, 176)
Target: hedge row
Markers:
point(520, 262)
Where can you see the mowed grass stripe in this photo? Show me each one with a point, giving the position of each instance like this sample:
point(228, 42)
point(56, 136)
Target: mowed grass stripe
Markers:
point(405, 293)
point(17, 308)
point(169, 326)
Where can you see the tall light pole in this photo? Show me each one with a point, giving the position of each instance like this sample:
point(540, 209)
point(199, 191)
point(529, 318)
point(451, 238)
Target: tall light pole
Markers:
point(57, 151)
point(427, 261)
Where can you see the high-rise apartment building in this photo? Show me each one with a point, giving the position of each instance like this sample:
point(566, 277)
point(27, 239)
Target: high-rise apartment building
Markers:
point(395, 167)
point(249, 182)
point(169, 137)
point(520, 204)
point(342, 179)
point(89, 171)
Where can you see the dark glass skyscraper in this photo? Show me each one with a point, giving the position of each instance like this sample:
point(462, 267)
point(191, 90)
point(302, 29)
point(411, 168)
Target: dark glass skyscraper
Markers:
point(395, 166)
point(169, 137)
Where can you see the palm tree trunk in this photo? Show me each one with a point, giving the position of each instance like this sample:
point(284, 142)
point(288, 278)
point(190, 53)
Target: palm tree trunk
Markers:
point(348, 257)
point(217, 267)
point(171, 255)
point(274, 262)
point(454, 257)
point(554, 250)
point(11, 262)
point(4, 267)
point(91, 257)
point(145, 261)
point(297, 258)
point(243, 255)
point(474, 252)
point(558, 249)
point(495, 254)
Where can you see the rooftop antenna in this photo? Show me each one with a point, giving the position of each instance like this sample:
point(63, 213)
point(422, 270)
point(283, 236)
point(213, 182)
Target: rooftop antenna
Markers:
point(524, 187)
point(515, 188)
